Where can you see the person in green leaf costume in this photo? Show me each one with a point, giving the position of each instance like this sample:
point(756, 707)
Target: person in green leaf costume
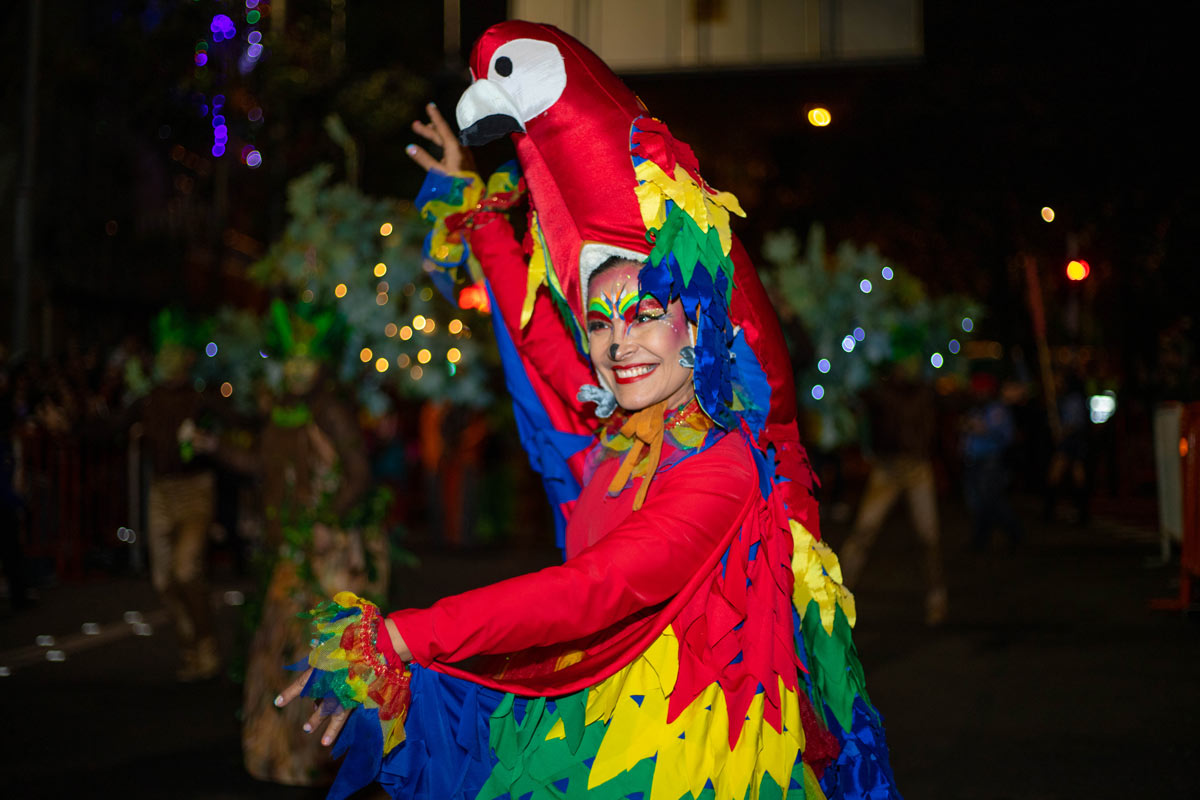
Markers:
point(322, 530)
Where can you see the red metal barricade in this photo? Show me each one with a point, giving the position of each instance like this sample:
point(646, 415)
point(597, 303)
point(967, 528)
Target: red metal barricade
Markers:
point(1189, 555)
point(76, 492)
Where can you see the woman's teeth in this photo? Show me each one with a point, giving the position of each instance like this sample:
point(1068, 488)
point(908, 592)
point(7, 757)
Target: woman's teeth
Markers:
point(633, 372)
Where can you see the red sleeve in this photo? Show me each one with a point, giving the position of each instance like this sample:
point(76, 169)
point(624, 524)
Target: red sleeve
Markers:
point(644, 561)
point(544, 344)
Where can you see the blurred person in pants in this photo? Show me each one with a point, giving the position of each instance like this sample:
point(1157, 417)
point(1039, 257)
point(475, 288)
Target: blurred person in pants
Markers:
point(180, 509)
point(900, 415)
point(988, 431)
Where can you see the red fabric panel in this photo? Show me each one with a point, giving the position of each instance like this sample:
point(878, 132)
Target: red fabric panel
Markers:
point(613, 599)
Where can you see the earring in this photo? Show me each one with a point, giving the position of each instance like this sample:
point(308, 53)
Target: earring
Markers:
point(606, 401)
point(687, 357)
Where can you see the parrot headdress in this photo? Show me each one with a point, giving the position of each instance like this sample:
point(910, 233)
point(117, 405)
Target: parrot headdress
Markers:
point(606, 178)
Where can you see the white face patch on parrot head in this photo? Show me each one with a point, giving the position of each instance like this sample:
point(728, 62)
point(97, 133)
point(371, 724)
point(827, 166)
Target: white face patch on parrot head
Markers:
point(524, 78)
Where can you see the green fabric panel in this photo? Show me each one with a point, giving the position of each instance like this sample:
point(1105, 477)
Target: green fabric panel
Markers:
point(833, 663)
point(532, 765)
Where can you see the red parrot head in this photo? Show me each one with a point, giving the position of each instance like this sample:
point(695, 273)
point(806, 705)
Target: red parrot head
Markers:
point(570, 118)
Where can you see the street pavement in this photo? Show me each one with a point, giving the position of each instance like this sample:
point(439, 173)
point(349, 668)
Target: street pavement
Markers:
point(1051, 679)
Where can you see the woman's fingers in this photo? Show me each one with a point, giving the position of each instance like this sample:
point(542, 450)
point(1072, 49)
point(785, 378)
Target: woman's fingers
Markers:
point(423, 159)
point(336, 722)
point(441, 127)
point(429, 132)
point(293, 691)
point(313, 720)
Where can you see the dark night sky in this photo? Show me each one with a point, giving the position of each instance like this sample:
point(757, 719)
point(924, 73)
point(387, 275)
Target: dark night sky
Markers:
point(944, 162)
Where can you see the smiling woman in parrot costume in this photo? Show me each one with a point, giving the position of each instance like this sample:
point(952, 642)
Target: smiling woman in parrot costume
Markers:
point(696, 640)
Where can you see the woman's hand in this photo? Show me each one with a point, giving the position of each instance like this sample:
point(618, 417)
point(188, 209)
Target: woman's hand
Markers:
point(329, 708)
point(455, 157)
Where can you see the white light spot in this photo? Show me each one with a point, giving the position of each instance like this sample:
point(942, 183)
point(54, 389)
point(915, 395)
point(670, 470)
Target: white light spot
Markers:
point(887, 273)
point(968, 324)
point(90, 629)
point(936, 360)
point(234, 598)
point(864, 286)
point(1102, 407)
point(818, 391)
point(45, 640)
point(823, 365)
point(848, 343)
point(133, 617)
point(4, 672)
point(56, 655)
point(142, 629)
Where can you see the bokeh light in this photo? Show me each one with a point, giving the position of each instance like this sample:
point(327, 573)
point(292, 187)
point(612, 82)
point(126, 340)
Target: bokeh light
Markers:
point(968, 324)
point(954, 346)
point(210, 349)
point(385, 229)
point(937, 360)
point(818, 391)
point(339, 290)
point(1048, 213)
point(453, 355)
point(819, 117)
point(1078, 269)
point(859, 334)
point(365, 354)
point(381, 364)
point(848, 343)
point(416, 373)
point(380, 269)
point(887, 273)
point(864, 286)
point(424, 356)
point(226, 389)
point(390, 330)
point(455, 326)
point(406, 333)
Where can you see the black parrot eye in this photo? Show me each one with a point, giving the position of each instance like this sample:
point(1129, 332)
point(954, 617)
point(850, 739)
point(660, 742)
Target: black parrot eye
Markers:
point(503, 66)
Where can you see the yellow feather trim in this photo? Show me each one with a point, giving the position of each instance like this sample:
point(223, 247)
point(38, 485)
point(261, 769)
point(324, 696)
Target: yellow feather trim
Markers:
point(818, 576)
point(695, 746)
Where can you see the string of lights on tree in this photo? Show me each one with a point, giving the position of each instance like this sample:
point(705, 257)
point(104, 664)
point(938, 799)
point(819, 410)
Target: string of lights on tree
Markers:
point(862, 314)
point(361, 258)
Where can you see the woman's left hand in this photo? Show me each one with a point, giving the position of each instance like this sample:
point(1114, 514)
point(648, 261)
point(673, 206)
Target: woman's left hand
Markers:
point(329, 709)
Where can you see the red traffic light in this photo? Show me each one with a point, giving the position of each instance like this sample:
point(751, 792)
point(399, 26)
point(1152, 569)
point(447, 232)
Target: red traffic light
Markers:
point(1078, 270)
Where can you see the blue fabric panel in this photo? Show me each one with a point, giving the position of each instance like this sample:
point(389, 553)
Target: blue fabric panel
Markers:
point(548, 449)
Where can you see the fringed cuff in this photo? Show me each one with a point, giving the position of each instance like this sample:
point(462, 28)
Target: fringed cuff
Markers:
point(451, 202)
point(349, 665)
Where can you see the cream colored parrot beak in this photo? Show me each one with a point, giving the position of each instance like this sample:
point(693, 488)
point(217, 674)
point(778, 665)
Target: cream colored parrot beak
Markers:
point(485, 112)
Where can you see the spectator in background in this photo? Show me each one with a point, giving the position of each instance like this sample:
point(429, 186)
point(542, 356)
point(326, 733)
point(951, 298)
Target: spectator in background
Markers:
point(987, 435)
point(1068, 465)
point(900, 418)
point(11, 561)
